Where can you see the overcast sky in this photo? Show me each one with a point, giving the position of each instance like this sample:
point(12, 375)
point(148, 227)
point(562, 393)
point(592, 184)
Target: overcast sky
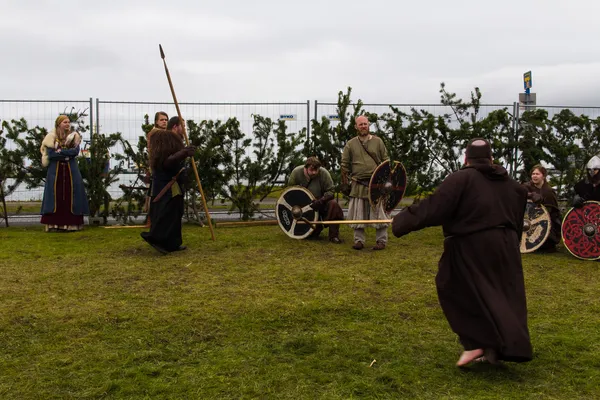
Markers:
point(253, 50)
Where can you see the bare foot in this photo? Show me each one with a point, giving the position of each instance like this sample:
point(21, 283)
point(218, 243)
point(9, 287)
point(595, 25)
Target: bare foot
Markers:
point(468, 356)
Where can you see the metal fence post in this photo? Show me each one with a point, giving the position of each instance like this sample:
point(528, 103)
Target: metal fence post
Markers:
point(97, 116)
point(516, 151)
point(316, 107)
point(91, 118)
point(307, 121)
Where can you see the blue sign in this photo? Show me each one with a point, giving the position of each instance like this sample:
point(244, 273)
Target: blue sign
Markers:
point(333, 117)
point(288, 117)
point(527, 81)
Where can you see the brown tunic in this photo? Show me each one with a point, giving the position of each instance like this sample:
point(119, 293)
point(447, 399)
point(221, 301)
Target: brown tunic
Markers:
point(480, 281)
point(358, 166)
point(320, 186)
point(549, 200)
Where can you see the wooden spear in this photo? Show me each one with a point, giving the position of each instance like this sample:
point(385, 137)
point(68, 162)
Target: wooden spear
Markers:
point(187, 142)
point(304, 220)
point(265, 222)
point(3, 203)
point(347, 221)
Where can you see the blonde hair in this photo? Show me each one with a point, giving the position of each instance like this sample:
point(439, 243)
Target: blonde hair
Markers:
point(59, 120)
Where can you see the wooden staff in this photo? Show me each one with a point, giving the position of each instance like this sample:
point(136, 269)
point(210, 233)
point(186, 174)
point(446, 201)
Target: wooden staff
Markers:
point(187, 142)
point(274, 222)
point(3, 203)
point(124, 226)
point(265, 222)
point(347, 221)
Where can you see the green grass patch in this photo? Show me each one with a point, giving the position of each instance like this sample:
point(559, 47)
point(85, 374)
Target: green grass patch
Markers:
point(254, 314)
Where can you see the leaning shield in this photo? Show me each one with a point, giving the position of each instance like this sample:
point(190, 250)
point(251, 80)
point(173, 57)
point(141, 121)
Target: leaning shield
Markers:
point(536, 227)
point(581, 231)
point(296, 201)
point(387, 185)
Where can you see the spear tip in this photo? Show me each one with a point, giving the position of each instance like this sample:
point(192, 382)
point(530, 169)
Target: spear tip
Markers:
point(162, 53)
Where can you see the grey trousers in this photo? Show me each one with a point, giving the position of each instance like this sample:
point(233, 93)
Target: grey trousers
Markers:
point(381, 235)
point(360, 209)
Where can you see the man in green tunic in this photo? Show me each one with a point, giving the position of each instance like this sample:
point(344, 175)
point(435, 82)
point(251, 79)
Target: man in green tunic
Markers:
point(318, 181)
point(362, 154)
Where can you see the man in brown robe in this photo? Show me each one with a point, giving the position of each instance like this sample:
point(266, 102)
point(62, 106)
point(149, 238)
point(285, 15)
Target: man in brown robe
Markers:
point(480, 281)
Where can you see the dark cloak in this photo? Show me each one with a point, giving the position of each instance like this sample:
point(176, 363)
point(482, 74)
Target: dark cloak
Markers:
point(167, 209)
point(480, 281)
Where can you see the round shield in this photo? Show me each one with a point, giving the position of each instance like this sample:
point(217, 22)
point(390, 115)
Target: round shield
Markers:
point(536, 227)
point(581, 231)
point(296, 200)
point(387, 185)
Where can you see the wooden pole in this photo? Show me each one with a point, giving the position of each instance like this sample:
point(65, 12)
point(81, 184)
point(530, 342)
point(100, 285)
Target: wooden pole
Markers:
point(3, 203)
point(124, 226)
point(246, 223)
point(187, 142)
point(274, 222)
point(347, 222)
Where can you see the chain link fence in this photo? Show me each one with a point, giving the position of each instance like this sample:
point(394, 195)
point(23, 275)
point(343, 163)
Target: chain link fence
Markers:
point(127, 117)
point(42, 113)
point(107, 117)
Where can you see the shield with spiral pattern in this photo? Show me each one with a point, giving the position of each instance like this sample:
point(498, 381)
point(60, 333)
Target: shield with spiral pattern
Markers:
point(581, 231)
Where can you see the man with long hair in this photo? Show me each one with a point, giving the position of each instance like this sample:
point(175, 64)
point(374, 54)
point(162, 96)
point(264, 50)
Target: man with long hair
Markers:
point(176, 126)
point(167, 161)
point(161, 119)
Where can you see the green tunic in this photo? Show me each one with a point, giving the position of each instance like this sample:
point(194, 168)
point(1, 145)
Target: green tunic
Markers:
point(357, 164)
point(319, 186)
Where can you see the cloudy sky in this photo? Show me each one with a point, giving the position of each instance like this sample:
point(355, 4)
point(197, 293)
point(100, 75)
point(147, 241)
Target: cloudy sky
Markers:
point(262, 50)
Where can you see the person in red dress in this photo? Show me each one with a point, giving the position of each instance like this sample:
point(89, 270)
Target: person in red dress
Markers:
point(64, 203)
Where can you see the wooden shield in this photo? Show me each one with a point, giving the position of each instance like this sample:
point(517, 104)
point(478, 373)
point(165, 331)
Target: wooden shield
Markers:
point(536, 227)
point(387, 185)
point(581, 231)
point(295, 196)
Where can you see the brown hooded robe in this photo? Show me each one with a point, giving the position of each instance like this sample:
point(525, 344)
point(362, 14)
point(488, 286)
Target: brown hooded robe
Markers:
point(480, 281)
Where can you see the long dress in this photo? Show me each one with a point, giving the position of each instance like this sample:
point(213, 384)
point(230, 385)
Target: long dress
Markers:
point(64, 202)
point(480, 280)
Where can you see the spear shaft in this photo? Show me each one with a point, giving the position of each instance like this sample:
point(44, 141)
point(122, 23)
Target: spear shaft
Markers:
point(187, 142)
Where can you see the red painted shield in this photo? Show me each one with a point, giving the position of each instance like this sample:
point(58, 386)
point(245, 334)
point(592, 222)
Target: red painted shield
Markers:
point(581, 231)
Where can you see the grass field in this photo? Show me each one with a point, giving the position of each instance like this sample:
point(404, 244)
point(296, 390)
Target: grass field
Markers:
point(99, 314)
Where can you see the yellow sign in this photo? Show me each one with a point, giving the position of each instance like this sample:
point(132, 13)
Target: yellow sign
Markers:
point(527, 82)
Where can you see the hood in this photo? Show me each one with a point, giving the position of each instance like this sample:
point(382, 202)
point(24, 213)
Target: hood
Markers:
point(492, 172)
